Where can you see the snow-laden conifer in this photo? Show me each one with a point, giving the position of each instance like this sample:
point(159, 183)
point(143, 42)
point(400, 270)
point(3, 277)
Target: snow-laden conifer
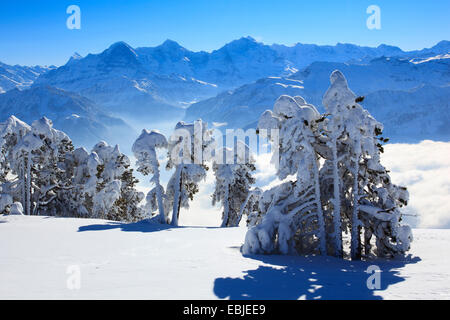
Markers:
point(189, 148)
point(144, 149)
point(233, 172)
point(337, 183)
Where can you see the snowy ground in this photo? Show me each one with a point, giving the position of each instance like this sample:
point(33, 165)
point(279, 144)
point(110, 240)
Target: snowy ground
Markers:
point(39, 256)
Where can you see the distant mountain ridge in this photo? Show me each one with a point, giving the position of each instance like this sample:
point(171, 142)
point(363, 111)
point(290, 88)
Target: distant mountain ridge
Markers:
point(411, 99)
point(239, 62)
point(232, 84)
point(20, 77)
point(84, 121)
point(155, 82)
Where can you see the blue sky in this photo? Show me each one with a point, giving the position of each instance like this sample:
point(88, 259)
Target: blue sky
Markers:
point(35, 32)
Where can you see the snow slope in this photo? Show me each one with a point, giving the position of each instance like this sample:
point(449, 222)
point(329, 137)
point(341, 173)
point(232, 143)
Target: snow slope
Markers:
point(38, 256)
point(410, 98)
point(84, 121)
point(238, 107)
point(19, 76)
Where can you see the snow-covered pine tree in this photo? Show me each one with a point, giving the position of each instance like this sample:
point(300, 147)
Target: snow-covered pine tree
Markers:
point(357, 130)
point(356, 192)
point(337, 102)
point(37, 156)
point(24, 161)
point(12, 131)
point(358, 145)
point(188, 151)
point(40, 169)
point(379, 205)
point(84, 182)
point(250, 207)
point(233, 171)
point(51, 169)
point(115, 197)
point(128, 204)
point(144, 149)
point(294, 218)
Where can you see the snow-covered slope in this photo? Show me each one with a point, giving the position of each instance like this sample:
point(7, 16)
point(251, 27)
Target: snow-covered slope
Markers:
point(19, 76)
point(42, 257)
point(379, 74)
point(302, 55)
point(410, 116)
point(83, 120)
point(443, 47)
point(236, 107)
point(411, 98)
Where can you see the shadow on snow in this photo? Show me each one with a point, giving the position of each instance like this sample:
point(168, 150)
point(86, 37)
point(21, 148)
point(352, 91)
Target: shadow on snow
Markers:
point(314, 277)
point(291, 277)
point(140, 226)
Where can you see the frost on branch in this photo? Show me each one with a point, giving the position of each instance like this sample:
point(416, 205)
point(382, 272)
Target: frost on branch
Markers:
point(337, 183)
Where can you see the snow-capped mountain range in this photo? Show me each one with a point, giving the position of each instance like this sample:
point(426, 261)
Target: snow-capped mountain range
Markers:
point(233, 84)
point(19, 76)
point(411, 98)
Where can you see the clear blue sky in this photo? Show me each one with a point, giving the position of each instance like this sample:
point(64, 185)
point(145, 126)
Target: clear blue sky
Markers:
point(34, 32)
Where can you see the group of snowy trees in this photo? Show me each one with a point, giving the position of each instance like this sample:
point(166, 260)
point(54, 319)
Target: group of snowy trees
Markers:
point(42, 174)
point(335, 191)
point(189, 151)
point(334, 195)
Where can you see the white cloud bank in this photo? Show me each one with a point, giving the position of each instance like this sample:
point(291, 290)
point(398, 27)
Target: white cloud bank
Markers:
point(424, 168)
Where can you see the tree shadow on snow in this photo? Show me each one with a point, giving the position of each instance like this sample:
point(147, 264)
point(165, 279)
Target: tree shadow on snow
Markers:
point(314, 277)
point(140, 226)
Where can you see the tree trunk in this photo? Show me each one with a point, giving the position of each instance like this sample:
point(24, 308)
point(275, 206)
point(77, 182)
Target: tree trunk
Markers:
point(28, 191)
point(356, 223)
point(24, 186)
point(320, 218)
point(336, 202)
point(226, 207)
point(177, 197)
point(162, 216)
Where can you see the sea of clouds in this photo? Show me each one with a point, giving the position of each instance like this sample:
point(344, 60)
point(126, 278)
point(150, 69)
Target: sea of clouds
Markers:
point(424, 168)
